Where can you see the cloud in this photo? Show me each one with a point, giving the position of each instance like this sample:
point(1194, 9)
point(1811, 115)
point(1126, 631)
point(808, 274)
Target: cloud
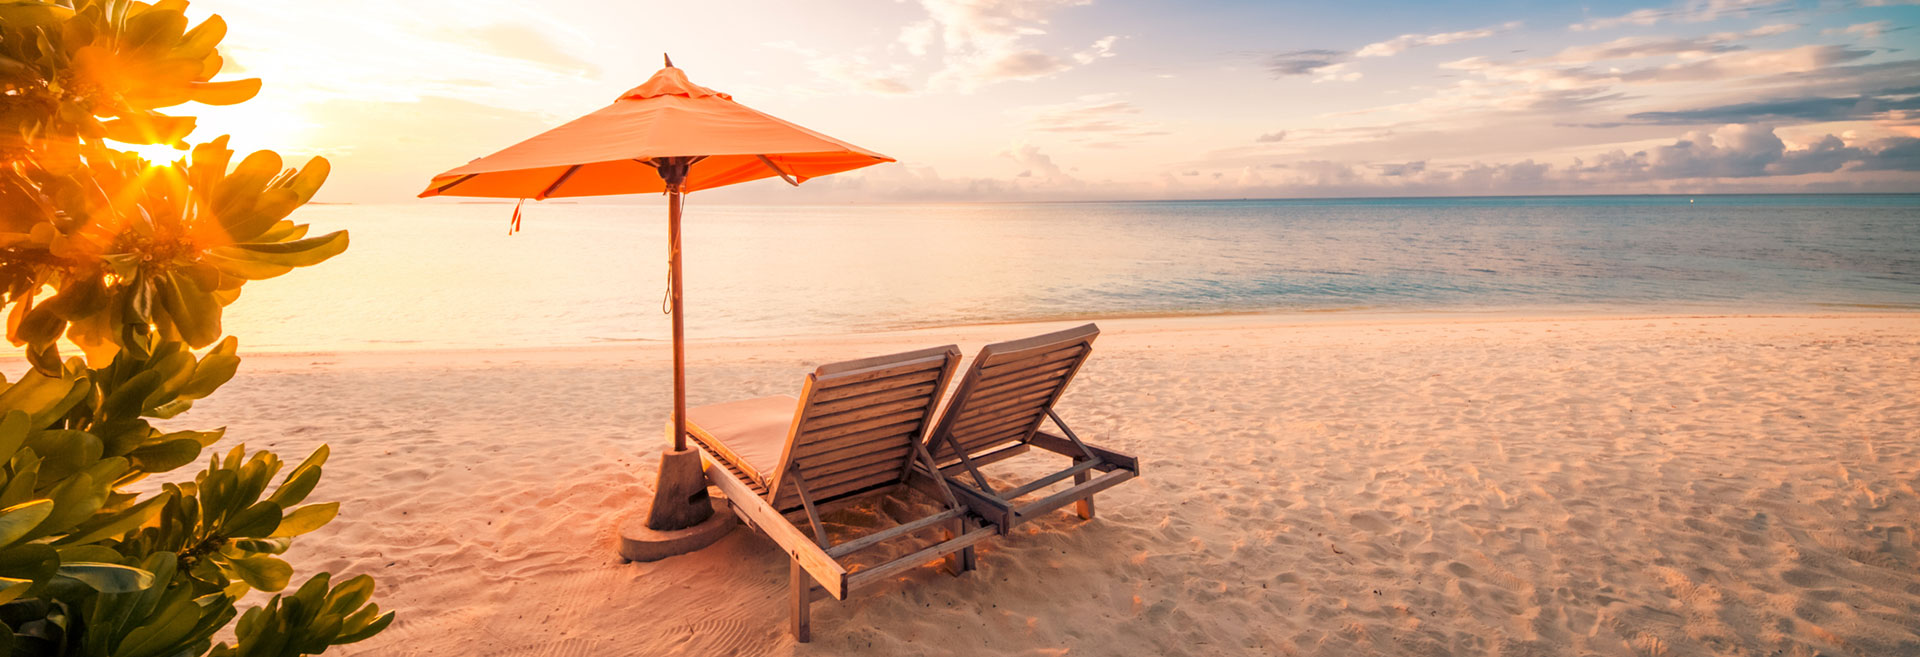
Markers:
point(1815, 109)
point(1730, 158)
point(1691, 11)
point(1747, 151)
point(1271, 137)
point(1101, 49)
point(1639, 47)
point(852, 72)
point(1092, 113)
point(1303, 62)
point(1403, 169)
point(1037, 166)
point(1535, 87)
point(988, 41)
point(525, 43)
point(1403, 42)
point(1868, 31)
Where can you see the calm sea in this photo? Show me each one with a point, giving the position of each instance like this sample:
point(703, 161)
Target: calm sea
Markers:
point(427, 275)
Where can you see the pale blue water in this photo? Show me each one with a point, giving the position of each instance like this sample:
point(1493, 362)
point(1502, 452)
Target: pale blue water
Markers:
point(428, 275)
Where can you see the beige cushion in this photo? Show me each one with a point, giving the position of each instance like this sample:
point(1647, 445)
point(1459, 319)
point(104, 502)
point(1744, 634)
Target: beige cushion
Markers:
point(752, 432)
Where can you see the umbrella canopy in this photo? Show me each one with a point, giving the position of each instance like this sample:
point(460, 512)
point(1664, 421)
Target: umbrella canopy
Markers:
point(666, 135)
point(613, 150)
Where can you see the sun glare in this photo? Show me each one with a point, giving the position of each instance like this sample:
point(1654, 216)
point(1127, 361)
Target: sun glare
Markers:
point(252, 126)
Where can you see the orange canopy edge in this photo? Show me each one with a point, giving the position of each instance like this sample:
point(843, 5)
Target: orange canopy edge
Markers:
point(611, 151)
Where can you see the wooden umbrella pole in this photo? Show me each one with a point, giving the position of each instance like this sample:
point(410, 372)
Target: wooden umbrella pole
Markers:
point(675, 175)
point(680, 498)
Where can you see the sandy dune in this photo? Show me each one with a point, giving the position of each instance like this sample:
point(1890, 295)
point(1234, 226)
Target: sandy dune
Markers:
point(1333, 486)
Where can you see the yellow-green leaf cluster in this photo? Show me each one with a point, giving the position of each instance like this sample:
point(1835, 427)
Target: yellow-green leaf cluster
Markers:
point(134, 262)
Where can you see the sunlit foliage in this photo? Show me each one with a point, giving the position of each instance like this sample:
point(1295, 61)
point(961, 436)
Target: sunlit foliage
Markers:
point(133, 262)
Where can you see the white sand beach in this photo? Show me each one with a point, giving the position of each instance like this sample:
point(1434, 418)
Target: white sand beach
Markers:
point(1312, 485)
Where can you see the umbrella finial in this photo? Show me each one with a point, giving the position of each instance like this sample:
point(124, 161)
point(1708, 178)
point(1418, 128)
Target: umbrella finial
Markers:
point(668, 58)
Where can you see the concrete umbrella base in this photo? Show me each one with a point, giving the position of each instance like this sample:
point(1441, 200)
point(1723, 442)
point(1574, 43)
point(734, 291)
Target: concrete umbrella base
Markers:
point(640, 543)
point(687, 517)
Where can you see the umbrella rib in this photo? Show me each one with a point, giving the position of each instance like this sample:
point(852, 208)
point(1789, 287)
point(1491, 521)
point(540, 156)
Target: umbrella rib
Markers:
point(783, 174)
point(443, 188)
point(557, 182)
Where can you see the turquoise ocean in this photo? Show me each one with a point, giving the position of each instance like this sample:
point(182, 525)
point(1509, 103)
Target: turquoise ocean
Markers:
point(448, 276)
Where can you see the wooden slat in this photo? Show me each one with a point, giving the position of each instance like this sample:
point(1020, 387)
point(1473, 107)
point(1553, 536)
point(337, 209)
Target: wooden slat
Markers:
point(1000, 364)
point(1032, 405)
point(976, 442)
point(829, 573)
point(1017, 387)
point(845, 390)
point(864, 425)
point(817, 421)
point(853, 440)
point(889, 569)
point(714, 456)
point(1001, 454)
point(1070, 495)
point(862, 479)
point(979, 404)
point(876, 538)
point(874, 471)
point(1023, 424)
point(1058, 445)
point(1048, 480)
point(985, 441)
point(929, 365)
point(851, 460)
point(1000, 377)
point(869, 399)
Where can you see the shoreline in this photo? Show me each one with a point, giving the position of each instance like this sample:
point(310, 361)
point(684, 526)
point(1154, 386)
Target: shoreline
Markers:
point(986, 332)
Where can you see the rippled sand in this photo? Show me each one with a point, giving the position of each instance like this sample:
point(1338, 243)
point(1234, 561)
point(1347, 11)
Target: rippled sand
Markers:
point(1391, 485)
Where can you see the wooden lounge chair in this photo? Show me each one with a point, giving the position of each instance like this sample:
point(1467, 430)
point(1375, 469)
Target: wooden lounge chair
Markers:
point(856, 427)
point(996, 414)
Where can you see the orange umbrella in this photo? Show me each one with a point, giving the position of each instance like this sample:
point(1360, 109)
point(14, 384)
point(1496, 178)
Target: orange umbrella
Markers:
point(668, 135)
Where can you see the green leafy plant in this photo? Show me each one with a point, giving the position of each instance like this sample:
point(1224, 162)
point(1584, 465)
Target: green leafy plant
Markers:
point(133, 263)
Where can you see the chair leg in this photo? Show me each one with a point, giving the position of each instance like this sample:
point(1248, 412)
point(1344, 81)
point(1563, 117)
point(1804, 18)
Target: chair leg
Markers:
point(1085, 505)
point(958, 563)
point(802, 588)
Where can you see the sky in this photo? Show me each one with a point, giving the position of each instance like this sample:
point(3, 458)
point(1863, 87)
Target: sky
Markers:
point(1022, 100)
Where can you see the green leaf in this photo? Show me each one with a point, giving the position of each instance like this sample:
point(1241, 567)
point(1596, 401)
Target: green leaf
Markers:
point(297, 253)
point(297, 486)
point(114, 524)
point(107, 577)
point(231, 92)
point(129, 400)
point(43, 397)
point(213, 371)
point(194, 312)
point(11, 588)
point(30, 561)
point(350, 594)
point(257, 521)
point(18, 520)
point(351, 635)
point(263, 545)
point(64, 451)
point(306, 519)
point(74, 501)
point(308, 180)
point(165, 456)
point(13, 433)
point(263, 572)
point(149, 129)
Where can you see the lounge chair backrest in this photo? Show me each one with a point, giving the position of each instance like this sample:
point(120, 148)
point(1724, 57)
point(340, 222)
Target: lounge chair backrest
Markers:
point(1007, 391)
point(858, 424)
